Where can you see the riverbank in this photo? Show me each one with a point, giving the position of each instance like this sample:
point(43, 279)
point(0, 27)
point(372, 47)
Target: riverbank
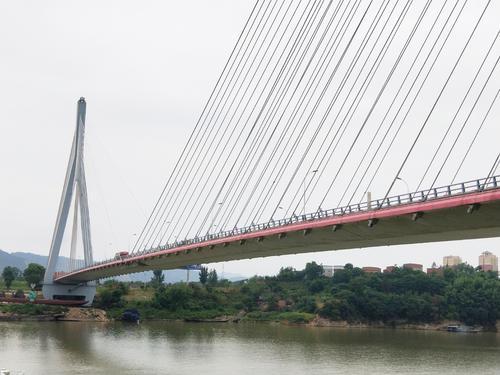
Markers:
point(439, 326)
point(319, 322)
point(29, 312)
point(351, 298)
point(305, 320)
point(43, 313)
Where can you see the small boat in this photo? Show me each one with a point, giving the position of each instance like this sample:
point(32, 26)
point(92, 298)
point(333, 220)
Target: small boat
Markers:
point(42, 302)
point(462, 329)
point(131, 315)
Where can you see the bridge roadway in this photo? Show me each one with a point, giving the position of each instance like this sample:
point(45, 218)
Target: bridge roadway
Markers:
point(467, 215)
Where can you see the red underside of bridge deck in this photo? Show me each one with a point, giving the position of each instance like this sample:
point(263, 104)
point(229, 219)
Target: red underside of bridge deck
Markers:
point(467, 216)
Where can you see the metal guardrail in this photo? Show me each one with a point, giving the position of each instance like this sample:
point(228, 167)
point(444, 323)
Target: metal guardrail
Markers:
point(396, 200)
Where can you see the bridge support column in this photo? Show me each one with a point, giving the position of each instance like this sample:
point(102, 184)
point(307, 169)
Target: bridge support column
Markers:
point(74, 184)
point(83, 292)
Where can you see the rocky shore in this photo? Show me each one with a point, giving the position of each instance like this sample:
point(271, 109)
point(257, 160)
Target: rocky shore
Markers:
point(71, 314)
point(441, 326)
point(322, 322)
point(75, 314)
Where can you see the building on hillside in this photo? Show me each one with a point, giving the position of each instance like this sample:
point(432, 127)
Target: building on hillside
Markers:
point(328, 271)
point(390, 269)
point(451, 261)
point(371, 269)
point(413, 266)
point(337, 268)
point(434, 270)
point(488, 261)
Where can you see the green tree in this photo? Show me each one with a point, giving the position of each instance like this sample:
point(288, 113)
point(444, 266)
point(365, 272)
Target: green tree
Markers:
point(111, 294)
point(316, 286)
point(158, 278)
point(33, 274)
point(313, 271)
point(290, 274)
point(175, 297)
point(17, 272)
point(212, 277)
point(306, 304)
point(331, 310)
point(114, 284)
point(203, 275)
point(9, 274)
point(474, 298)
point(110, 298)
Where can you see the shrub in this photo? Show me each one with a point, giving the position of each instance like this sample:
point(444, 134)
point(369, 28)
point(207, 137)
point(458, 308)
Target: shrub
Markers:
point(296, 317)
point(306, 304)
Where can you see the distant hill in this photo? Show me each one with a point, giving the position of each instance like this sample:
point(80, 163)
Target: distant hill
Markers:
point(175, 276)
point(22, 259)
point(7, 259)
point(32, 258)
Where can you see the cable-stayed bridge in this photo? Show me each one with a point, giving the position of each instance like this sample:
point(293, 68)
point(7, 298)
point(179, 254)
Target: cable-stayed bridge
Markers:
point(320, 104)
point(462, 211)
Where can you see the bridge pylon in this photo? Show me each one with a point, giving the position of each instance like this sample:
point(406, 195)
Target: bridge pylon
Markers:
point(74, 191)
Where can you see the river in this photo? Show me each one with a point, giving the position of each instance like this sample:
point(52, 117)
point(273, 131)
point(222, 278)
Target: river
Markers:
point(248, 349)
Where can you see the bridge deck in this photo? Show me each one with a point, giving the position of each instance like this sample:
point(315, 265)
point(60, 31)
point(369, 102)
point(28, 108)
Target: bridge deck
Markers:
point(465, 216)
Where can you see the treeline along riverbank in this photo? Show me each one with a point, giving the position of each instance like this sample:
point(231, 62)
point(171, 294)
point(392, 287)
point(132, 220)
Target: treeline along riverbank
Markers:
point(350, 297)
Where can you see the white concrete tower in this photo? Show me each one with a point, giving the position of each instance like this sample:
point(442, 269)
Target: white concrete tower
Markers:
point(74, 183)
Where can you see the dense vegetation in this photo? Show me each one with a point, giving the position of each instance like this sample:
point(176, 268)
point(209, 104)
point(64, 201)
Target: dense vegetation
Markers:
point(9, 274)
point(403, 296)
point(12, 277)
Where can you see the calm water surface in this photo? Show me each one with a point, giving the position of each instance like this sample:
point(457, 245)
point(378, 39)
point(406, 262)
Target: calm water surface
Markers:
point(247, 349)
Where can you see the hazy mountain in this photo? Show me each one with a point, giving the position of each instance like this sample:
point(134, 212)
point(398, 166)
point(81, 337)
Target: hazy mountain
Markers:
point(7, 259)
point(175, 276)
point(32, 258)
point(22, 259)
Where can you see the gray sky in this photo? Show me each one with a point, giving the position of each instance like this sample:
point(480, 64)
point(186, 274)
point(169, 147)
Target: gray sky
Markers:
point(146, 69)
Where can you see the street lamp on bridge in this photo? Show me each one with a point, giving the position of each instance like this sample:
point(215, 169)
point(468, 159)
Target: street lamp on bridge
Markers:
point(406, 183)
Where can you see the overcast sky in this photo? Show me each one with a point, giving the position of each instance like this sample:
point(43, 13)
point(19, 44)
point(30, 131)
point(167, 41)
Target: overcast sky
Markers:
point(146, 70)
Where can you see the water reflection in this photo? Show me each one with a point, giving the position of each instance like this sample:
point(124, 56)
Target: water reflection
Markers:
point(181, 348)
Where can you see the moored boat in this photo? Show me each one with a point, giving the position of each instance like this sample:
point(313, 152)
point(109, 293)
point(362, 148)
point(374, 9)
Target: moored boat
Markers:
point(42, 301)
point(462, 329)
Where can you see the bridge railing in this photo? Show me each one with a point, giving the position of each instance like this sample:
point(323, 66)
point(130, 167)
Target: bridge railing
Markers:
point(377, 204)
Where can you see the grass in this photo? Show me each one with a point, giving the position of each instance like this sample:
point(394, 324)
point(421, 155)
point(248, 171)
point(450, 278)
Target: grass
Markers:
point(148, 312)
point(17, 284)
point(275, 316)
point(139, 294)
